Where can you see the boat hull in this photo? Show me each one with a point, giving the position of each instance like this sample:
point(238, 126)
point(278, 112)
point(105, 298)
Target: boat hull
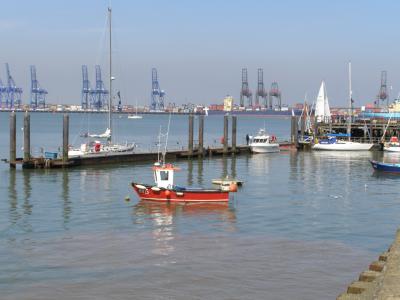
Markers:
point(146, 192)
point(385, 167)
point(345, 146)
point(391, 148)
point(261, 112)
point(270, 148)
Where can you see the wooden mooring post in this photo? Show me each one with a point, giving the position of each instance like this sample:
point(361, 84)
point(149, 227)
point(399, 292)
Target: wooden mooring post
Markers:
point(234, 126)
point(190, 143)
point(27, 136)
point(292, 129)
point(201, 136)
point(65, 138)
point(226, 127)
point(13, 139)
point(296, 131)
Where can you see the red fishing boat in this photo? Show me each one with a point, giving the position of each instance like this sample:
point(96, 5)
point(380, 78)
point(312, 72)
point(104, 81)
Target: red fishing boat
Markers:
point(165, 190)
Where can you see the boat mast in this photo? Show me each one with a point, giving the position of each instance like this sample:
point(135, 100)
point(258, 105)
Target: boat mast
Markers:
point(350, 112)
point(111, 78)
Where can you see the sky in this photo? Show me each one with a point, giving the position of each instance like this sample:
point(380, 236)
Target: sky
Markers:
point(200, 47)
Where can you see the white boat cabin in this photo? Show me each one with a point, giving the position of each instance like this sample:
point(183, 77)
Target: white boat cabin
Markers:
point(164, 175)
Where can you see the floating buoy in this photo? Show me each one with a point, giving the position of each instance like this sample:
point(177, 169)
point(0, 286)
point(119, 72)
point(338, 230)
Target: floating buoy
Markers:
point(233, 187)
point(167, 193)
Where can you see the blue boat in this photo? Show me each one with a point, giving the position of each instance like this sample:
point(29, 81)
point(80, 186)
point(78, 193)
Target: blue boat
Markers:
point(385, 167)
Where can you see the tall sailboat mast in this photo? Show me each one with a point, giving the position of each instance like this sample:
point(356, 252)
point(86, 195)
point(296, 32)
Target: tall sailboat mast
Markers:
point(111, 78)
point(350, 112)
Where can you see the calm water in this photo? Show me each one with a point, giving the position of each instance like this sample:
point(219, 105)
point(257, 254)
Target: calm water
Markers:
point(302, 227)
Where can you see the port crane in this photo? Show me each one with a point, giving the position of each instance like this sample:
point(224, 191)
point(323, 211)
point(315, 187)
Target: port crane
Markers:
point(261, 92)
point(38, 94)
point(245, 91)
point(12, 92)
point(157, 94)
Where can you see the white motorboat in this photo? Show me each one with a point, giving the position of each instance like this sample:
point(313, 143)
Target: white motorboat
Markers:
point(263, 143)
point(97, 148)
point(393, 145)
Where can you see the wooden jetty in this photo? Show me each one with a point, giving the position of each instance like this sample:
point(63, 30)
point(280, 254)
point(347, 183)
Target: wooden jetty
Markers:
point(376, 131)
point(192, 151)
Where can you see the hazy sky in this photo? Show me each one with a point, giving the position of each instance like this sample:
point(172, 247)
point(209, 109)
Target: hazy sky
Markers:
point(199, 47)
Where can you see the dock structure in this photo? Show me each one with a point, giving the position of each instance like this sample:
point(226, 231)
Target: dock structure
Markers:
point(376, 131)
point(30, 162)
point(381, 280)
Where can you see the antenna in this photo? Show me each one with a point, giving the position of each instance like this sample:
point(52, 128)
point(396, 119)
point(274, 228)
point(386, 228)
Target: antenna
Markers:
point(159, 145)
point(166, 138)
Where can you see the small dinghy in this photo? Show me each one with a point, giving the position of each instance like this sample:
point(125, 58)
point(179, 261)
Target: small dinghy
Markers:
point(385, 167)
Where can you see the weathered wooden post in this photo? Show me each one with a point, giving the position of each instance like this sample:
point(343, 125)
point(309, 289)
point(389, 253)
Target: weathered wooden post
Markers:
point(65, 138)
point(13, 139)
point(27, 136)
point(234, 123)
point(296, 131)
point(303, 126)
point(226, 125)
point(315, 127)
point(190, 144)
point(292, 128)
point(201, 136)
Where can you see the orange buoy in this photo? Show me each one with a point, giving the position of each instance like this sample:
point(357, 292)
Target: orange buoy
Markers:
point(167, 193)
point(233, 187)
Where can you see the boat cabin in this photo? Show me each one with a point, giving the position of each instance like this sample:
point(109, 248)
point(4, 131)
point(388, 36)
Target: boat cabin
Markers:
point(164, 175)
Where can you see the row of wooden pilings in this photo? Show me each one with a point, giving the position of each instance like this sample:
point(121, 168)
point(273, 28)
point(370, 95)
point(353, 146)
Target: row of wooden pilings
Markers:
point(200, 150)
point(27, 138)
point(224, 140)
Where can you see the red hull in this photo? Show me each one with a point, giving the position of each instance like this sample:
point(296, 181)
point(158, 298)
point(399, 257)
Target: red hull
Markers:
point(188, 195)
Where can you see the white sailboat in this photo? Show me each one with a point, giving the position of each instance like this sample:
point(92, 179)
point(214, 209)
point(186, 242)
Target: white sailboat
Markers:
point(322, 110)
point(96, 148)
point(135, 116)
point(332, 143)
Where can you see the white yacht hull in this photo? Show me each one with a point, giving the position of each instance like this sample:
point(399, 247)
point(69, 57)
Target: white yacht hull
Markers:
point(268, 148)
point(103, 152)
point(391, 148)
point(343, 146)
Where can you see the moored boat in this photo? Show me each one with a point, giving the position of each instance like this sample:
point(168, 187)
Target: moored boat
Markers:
point(385, 167)
point(165, 190)
point(106, 147)
point(393, 145)
point(331, 143)
point(263, 143)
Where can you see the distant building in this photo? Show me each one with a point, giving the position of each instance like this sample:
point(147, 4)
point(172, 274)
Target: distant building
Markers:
point(228, 103)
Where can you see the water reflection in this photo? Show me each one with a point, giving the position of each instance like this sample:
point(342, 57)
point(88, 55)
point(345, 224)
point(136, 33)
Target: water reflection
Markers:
point(200, 171)
point(391, 157)
point(224, 167)
point(190, 172)
point(166, 213)
point(164, 217)
point(27, 192)
point(65, 197)
point(233, 167)
point(13, 197)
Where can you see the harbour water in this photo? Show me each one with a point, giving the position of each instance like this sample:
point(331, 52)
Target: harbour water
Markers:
point(303, 225)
